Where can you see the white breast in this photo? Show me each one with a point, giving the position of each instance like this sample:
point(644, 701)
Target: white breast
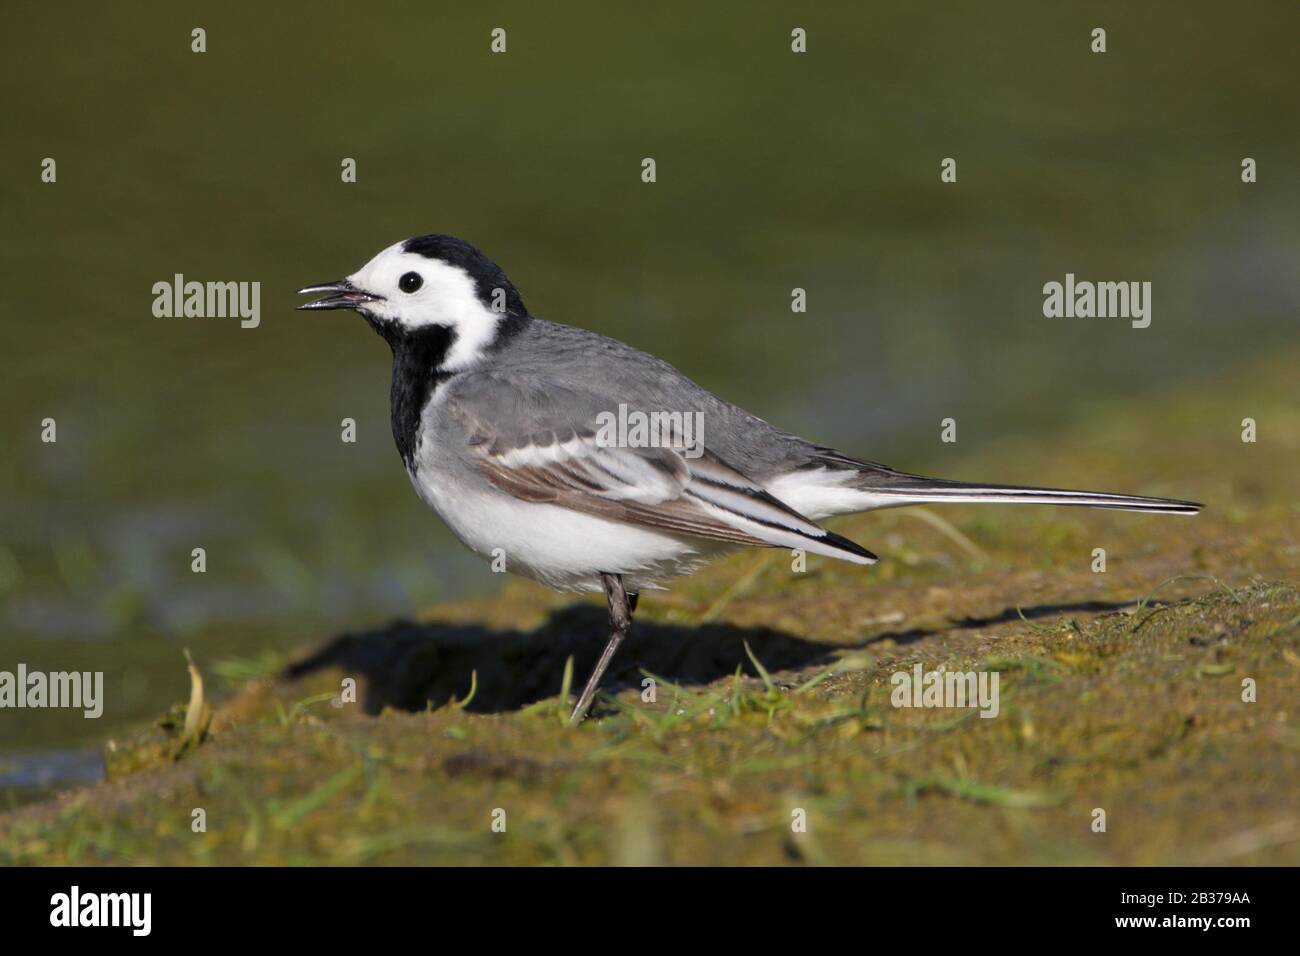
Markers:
point(561, 548)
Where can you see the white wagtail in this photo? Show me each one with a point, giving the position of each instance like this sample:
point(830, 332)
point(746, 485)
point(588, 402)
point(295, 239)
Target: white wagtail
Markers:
point(501, 420)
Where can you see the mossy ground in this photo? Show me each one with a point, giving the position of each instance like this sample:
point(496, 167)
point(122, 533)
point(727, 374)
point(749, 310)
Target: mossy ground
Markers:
point(1121, 691)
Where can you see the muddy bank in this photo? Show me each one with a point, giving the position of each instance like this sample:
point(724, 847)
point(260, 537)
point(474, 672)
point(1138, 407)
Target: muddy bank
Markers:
point(1158, 695)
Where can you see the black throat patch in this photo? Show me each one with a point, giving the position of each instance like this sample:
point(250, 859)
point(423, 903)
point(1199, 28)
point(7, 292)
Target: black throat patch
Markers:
point(417, 356)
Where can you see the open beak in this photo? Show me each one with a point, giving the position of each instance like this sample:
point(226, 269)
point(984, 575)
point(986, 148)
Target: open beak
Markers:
point(342, 295)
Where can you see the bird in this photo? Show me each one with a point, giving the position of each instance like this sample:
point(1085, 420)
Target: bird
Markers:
point(503, 424)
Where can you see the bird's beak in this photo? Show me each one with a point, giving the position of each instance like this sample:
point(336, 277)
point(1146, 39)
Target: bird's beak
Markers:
point(342, 295)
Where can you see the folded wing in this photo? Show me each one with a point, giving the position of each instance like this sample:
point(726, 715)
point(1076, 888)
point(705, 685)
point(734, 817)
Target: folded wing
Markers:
point(670, 489)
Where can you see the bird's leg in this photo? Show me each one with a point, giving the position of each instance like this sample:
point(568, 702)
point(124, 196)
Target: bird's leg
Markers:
point(621, 606)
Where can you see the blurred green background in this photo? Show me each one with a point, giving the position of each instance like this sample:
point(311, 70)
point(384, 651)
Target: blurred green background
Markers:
point(775, 170)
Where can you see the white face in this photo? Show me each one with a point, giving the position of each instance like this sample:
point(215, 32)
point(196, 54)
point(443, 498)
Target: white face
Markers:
point(445, 296)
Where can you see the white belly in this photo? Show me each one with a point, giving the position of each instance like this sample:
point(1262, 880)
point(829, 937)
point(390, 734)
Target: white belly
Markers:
point(562, 548)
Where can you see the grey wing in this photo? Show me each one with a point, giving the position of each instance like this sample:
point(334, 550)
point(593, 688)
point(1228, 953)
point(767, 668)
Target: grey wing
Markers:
point(557, 454)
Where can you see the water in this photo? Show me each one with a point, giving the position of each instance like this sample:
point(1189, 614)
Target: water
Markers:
point(775, 171)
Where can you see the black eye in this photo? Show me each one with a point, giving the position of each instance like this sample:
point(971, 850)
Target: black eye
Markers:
point(410, 282)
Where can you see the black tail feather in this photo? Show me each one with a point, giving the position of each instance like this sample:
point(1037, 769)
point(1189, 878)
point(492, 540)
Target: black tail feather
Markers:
point(896, 488)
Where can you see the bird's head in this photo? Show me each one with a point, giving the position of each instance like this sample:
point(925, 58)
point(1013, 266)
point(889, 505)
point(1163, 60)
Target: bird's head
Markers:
point(430, 286)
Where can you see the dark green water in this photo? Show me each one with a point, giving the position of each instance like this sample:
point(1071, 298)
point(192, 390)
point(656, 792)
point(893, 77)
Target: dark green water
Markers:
point(774, 171)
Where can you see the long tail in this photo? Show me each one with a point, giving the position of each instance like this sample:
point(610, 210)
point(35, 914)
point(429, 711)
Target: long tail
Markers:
point(891, 489)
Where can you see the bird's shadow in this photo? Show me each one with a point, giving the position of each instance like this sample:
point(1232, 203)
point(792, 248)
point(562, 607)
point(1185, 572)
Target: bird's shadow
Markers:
point(410, 666)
